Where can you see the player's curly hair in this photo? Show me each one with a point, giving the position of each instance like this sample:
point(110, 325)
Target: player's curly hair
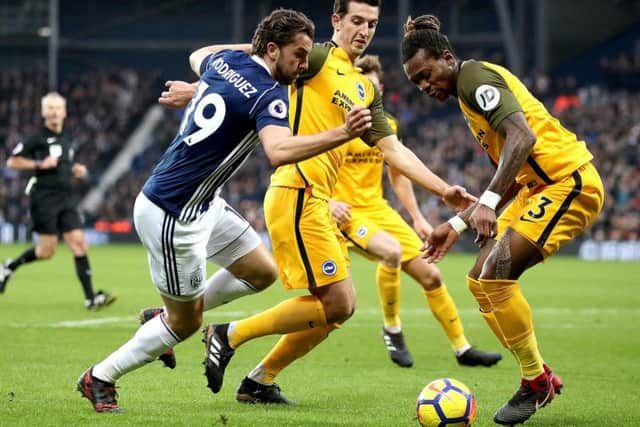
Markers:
point(370, 64)
point(341, 7)
point(423, 33)
point(280, 27)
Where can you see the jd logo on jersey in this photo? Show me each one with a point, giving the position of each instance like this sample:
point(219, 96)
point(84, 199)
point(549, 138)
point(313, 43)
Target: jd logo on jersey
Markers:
point(487, 97)
point(329, 268)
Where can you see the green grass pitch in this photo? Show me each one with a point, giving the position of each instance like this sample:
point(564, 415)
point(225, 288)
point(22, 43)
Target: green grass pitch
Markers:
point(587, 317)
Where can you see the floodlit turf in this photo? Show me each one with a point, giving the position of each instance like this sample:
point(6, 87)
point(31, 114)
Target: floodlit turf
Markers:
point(586, 314)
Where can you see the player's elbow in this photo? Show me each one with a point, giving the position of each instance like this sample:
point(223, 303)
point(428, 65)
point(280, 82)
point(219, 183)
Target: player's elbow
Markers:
point(525, 138)
point(277, 158)
point(194, 61)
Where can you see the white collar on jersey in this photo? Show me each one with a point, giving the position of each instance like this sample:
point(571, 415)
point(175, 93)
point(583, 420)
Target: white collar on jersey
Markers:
point(261, 62)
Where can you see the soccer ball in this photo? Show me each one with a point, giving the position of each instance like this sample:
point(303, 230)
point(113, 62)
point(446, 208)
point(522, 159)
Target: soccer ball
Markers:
point(446, 402)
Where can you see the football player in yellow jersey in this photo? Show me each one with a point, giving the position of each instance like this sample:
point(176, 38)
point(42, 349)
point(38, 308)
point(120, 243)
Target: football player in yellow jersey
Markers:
point(379, 232)
point(560, 194)
point(308, 247)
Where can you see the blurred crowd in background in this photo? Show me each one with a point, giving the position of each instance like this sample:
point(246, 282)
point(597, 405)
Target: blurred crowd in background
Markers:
point(105, 106)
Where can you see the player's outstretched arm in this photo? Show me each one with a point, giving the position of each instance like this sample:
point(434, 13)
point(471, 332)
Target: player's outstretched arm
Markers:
point(519, 141)
point(281, 147)
point(196, 57)
point(440, 241)
point(403, 159)
point(404, 190)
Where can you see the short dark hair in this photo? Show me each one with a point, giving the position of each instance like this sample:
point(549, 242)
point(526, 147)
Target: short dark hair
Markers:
point(370, 64)
point(424, 33)
point(280, 27)
point(341, 7)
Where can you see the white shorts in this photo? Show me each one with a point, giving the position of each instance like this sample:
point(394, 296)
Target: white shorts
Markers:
point(178, 251)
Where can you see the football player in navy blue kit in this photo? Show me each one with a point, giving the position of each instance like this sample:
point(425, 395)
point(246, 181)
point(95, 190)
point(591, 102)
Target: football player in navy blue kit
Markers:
point(182, 222)
point(49, 154)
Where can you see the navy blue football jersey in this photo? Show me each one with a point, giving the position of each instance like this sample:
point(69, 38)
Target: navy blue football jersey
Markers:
point(236, 98)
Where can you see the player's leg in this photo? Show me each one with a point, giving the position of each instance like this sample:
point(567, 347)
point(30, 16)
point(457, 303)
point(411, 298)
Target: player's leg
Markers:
point(259, 386)
point(445, 311)
point(246, 266)
point(388, 251)
point(509, 258)
point(177, 262)
point(310, 256)
point(553, 215)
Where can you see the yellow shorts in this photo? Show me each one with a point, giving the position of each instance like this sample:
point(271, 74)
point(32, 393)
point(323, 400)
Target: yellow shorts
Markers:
point(551, 215)
point(308, 247)
point(366, 222)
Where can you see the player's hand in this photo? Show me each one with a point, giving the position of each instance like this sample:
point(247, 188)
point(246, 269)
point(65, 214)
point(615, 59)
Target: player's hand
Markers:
point(457, 198)
point(422, 228)
point(439, 242)
point(78, 170)
point(358, 121)
point(483, 220)
point(49, 162)
point(341, 211)
point(178, 94)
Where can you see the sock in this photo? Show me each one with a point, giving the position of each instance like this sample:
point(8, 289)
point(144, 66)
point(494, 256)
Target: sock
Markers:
point(223, 287)
point(445, 311)
point(83, 271)
point(486, 311)
point(513, 315)
point(531, 363)
point(152, 339)
point(388, 281)
point(287, 350)
point(292, 315)
point(26, 257)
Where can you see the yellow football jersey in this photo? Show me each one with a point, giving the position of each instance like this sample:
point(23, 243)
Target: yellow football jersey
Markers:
point(319, 101)
point(487, 93)
point(360, 177)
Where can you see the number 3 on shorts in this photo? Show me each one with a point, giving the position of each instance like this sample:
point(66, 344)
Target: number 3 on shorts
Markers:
point(544, 201)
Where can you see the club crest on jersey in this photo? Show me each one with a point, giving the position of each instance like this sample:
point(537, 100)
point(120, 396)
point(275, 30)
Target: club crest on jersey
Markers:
point(329, 268)
point(278, 109)
point(487, 97)
point(360, 88)
point(362, 231)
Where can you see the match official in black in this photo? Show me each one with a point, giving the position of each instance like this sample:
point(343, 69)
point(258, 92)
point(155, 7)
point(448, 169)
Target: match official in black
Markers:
point(54, 210)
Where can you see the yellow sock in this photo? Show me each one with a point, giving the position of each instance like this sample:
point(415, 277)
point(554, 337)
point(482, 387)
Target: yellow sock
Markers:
point(513, 315)
point(388, 281)
point(292, 315)
point(486, 311)
point(531, 363)
point(287, 350)
point(445, 311)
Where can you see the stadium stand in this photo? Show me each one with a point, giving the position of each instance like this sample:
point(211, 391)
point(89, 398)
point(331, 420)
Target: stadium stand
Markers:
point(105, 104)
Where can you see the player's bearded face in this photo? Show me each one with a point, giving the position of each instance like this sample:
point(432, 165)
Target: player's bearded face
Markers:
point(434, 76)
point(293, 59)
